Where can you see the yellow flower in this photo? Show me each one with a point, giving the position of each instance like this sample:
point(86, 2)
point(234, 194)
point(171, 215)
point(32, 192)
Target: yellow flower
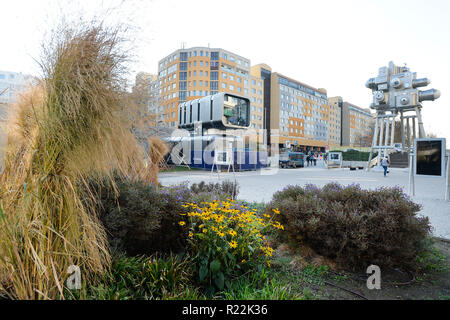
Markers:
point(232, 233)
point(276, 211)
point(233, 244)
point(243, 261)
point(221, 234)
point(204, 230)
point(191, 234)
point(181, 223)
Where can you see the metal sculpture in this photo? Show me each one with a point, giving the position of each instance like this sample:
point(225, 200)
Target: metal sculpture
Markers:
point(395, 92)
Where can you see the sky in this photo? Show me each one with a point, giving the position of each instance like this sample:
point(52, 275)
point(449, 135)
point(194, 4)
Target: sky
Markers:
point(336, 45)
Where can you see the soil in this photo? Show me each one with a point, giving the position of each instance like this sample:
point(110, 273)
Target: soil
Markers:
point(395, 284)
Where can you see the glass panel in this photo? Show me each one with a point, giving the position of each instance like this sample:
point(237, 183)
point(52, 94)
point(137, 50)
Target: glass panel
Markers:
point(236, 111)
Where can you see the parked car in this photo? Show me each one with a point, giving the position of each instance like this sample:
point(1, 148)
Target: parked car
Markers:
point(292, 159)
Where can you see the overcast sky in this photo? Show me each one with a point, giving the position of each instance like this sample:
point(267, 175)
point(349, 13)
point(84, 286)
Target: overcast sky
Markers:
point(336, 45)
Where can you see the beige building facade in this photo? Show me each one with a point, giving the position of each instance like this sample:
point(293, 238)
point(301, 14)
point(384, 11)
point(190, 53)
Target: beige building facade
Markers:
point(292, 112)
point(188, 74)
point(356, 123)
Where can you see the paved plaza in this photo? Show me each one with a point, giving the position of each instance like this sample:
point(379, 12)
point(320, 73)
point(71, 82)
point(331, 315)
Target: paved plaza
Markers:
point(261, 185)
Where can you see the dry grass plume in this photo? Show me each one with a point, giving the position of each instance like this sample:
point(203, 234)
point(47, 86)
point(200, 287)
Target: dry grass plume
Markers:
point(73, 125)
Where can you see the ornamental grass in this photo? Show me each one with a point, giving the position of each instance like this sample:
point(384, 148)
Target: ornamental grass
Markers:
point(70, 126)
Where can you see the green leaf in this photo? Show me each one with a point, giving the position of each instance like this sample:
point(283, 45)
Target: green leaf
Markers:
point(220, 280)
point(202, 272)
point(231, 257)
point(2, 214)
point(209, 291)
point(214, 266)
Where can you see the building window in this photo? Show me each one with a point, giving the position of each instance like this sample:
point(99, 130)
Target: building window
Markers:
point(224, 85)
point(214, 86)
point(214, 65)
point(214, 55)
point(224, 75)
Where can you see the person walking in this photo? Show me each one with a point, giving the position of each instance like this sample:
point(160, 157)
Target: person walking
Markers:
point(384, 164)
point(315, 159)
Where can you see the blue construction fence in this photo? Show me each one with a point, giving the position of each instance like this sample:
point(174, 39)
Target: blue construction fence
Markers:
point(243, 160)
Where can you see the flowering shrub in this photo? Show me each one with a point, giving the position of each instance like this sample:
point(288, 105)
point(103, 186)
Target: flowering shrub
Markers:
point(352, 226)
point(141, 218)
point(229, 188)
point(226, 239)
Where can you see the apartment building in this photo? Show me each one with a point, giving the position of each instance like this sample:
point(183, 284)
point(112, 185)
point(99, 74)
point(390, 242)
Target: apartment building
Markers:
point(356, 123)
point(334, 123)
point(188, 74)
point(11, 84)
point(298, 114)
